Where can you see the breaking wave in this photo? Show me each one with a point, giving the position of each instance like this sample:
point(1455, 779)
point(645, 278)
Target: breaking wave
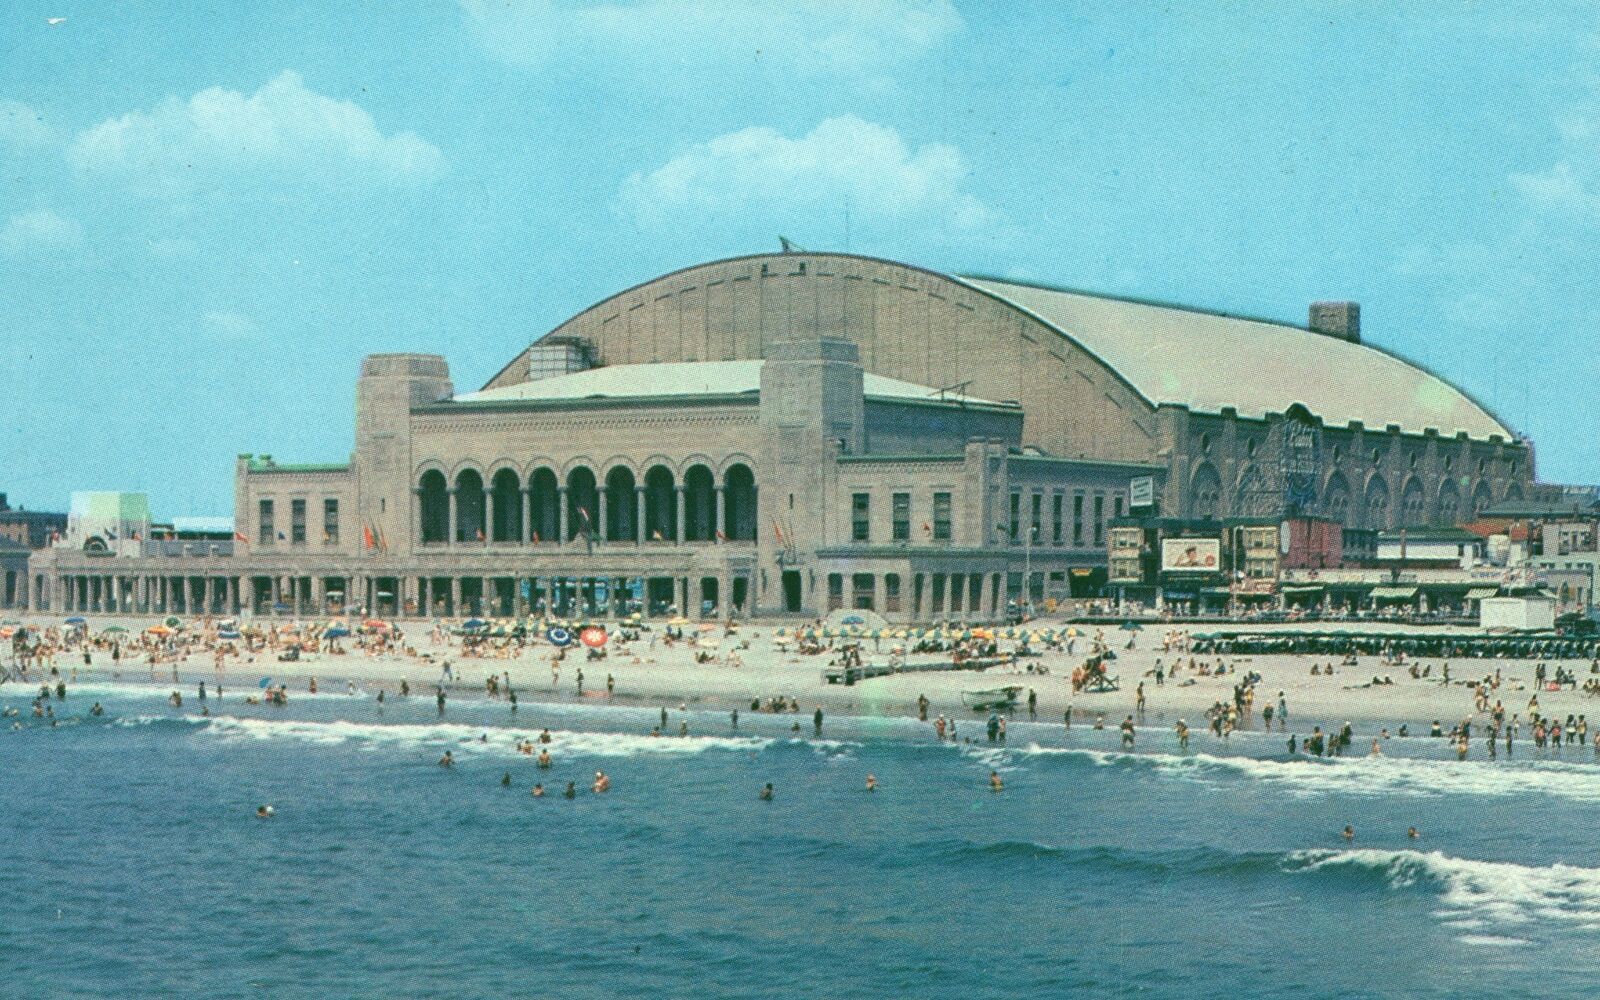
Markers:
point(1354, 775)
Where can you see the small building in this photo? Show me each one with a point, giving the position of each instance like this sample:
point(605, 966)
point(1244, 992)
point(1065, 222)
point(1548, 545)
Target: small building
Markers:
point(1526, 613)
point(31, 529)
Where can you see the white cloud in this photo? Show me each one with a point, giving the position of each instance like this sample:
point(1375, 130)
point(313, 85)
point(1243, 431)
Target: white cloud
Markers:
point(844, 163)
point(814, 37)
point(23, 127)
point(284, 131)
point(230, 324)
point(42, 230)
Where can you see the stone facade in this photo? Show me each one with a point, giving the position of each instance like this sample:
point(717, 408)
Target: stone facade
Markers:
point(803, 493)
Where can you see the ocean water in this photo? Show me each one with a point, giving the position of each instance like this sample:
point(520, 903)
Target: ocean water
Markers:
point(135, 865)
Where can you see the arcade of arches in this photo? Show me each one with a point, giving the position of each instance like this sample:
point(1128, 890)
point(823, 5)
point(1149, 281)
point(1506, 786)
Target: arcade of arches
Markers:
point(615, 507)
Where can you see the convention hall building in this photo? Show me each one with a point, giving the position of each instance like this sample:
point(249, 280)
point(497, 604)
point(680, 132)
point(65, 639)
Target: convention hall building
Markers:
point(791, 433)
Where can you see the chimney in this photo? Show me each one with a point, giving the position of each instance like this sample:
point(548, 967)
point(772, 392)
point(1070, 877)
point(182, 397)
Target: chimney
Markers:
point(1337, 319)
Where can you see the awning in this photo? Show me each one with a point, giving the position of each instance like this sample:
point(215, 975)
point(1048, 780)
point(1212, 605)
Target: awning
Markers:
point(1215, 590)
point(1307, 589)
point(1479, 593)
point(1394, 593)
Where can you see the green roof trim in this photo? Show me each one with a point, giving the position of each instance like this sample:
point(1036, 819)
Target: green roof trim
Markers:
point(1108, 462)
point(869, 458)
point(256, 466)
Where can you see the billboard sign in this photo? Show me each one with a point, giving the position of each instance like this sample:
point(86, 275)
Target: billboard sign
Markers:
point(1191, 555)
point(1142, 492)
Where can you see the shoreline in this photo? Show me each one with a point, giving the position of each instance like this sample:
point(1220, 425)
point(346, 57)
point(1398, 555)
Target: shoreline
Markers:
point(653, 676)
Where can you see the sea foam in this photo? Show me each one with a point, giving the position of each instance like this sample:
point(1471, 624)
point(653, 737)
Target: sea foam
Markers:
point(1361, 775)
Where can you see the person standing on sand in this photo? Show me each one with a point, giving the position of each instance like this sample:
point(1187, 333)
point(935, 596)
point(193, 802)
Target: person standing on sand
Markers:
point(922, 708)
point(1183, 735)
point(816, 720)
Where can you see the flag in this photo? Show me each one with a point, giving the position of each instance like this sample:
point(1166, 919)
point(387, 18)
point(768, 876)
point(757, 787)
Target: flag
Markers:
point(927, 529)
point(238, 536)
point(366, 536)
point(721, 537)
point(777, 531)
point(383, 543)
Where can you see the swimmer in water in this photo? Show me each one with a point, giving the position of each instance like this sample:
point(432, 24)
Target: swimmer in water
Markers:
point(766, 792)
point(572, 790)
point(538, 791)
point(601, 783)
point(995, 784)
point(448, 759)
point(1349, 832)
point(264, 812)
point(544, 760)
point(872, 783)
point(97, 710)
point(1413, 833)
point(505, 780)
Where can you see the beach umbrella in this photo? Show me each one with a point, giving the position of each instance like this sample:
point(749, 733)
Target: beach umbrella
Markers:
point(678, 621)
point(159, 630)
point(376, 625)
point(7, 631)
point(264, 683)
point(173, 621)
point(852, 620)
point(111, 629)
point(227, 634)
point(473, 623)
point(75, 620)
point(708, 627)
point(10, 621)
point(336, 632)
point(1132, 627)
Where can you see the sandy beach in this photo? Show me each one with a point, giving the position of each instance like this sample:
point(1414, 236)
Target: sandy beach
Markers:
point(649, 672)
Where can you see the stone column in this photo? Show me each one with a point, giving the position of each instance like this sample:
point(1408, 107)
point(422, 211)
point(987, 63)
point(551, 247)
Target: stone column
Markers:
point(319, 593)
point(681, 538)
point(877, 592)
point(421, 519)
point(717, 525)
point(450, 532)
point(640, 532)
point(561, 512)
point(491, 509)
point(725, 592)
point(602, 529)
point(527, 516)
point(455, 596)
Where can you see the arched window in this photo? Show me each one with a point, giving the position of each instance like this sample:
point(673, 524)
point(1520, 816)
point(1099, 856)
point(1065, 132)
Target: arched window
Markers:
point(1480, 498)
point(1413, 509)
point(1376, 513)
point(1448, 511)
point(1205, 492)
point(1336, 499)
point(622, 503)
point(660, 505)
point(544, 508)
point(699, 504)
point(433, 498)
point(507, 506)
point(739, 513)
point(583, 502)
point(469, 506)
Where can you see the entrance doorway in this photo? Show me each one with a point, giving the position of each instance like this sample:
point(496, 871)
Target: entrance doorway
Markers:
point(791, 591)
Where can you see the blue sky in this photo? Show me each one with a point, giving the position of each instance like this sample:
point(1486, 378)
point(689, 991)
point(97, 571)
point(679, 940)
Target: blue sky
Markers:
point(211, 212)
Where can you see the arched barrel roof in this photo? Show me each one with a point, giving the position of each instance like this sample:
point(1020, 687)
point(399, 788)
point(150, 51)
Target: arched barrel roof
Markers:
point(1084, 366)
